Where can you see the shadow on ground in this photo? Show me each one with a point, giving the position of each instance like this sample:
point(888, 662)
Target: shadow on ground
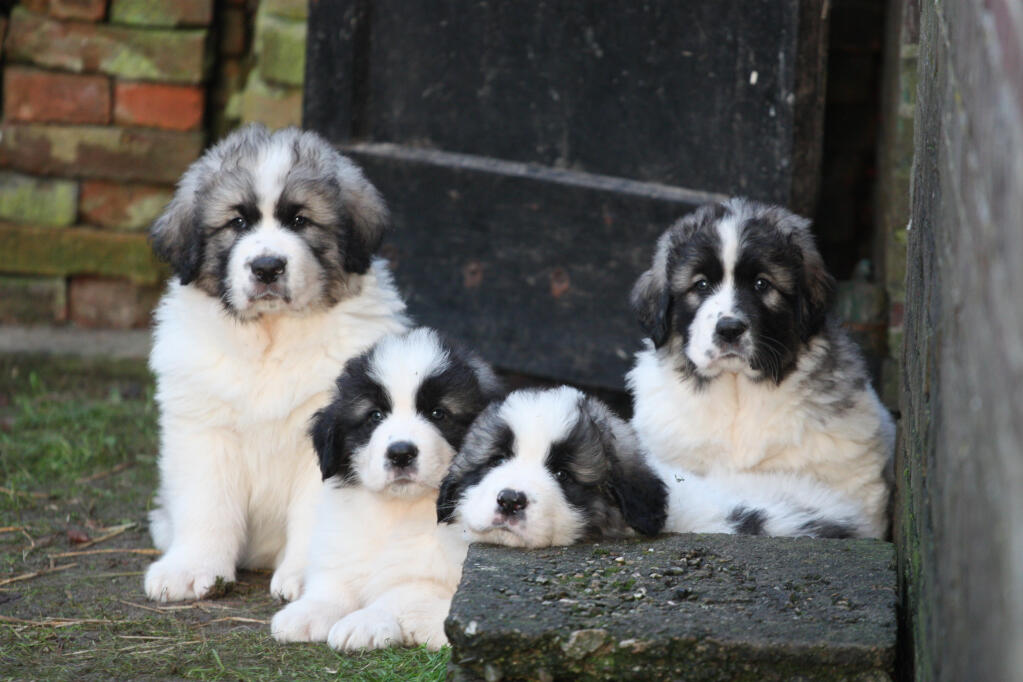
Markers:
point(77, 471)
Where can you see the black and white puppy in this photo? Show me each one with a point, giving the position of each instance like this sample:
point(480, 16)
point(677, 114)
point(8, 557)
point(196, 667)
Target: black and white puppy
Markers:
point(554, 467)
point(746, 369)
point(271, 237)
point(381, 571)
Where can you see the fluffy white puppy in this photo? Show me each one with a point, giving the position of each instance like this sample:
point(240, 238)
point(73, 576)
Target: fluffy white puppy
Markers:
point(747, 370)
point(555, 467)
point(271, 239)
point(382, 572)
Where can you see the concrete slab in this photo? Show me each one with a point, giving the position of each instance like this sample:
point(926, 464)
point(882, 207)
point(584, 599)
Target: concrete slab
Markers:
point(111, 343)
point(685, 607)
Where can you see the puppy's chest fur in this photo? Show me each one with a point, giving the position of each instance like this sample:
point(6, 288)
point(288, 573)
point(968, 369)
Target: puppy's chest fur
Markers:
point(380, 542)
point(734, 424)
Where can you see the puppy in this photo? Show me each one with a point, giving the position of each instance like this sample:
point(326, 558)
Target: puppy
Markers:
point(746, 370)
point(555, 467)
point(381, 570)
point(271, 239)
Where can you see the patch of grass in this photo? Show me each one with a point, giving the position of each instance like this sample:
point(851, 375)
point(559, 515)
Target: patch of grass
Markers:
point(78, 443)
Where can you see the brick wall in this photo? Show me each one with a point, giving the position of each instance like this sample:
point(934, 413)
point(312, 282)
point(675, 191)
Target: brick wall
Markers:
point(104, 104)
point(960, 472)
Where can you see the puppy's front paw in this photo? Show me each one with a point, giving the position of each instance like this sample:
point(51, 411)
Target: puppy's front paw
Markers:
point(173, 580)
point(365, 629)
point(305, 620)
point(286, 584)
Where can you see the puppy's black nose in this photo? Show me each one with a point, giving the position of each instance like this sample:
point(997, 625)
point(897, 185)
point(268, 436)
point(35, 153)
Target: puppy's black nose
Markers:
point(401, 454)
point(729, 329)
point(268, 268)
point(511, 501)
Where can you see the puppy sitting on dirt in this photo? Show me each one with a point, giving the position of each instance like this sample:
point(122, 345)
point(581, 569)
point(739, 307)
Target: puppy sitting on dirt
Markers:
point(271, 238)
point(382, 572)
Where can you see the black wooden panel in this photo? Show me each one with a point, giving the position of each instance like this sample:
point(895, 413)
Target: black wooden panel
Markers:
point(530, 266)
point(700, 94)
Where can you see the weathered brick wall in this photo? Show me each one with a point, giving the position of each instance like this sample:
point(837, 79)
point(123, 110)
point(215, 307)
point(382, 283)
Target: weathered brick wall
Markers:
point(105, 103)
point(960, 527)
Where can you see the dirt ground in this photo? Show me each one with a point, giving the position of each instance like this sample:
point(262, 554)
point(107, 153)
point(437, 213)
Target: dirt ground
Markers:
point(77, 471)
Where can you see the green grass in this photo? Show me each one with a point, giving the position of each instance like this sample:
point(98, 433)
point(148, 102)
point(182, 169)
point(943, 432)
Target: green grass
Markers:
point(77, 456)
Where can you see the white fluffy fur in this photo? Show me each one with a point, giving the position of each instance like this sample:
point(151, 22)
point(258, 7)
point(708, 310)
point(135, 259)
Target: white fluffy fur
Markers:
point(238, 476)
point(381, 570)
point(733, 424)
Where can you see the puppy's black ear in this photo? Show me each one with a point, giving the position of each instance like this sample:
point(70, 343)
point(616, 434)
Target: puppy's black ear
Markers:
point(651, 302)
point(640, 494)
point(367, 217)
point(328, 441)
point(447, 499)
point(817, 290)
point(176, 237)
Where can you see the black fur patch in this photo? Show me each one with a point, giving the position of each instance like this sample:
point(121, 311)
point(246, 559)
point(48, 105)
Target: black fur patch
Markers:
point(746, 521)
point(457, 482)
point(344, 426)
point(827, 528)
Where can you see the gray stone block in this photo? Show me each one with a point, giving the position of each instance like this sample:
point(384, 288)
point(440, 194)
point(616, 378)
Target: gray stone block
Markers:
point(692, 607)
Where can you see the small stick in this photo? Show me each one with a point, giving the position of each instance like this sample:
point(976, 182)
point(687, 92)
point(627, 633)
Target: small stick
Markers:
point(104, 538)
point(158, 609)
point(54, 622)
point(23, 493)
point(127, 550)
point(103, 474)
point(36, 574)
point(11, 529)
point(238, 619)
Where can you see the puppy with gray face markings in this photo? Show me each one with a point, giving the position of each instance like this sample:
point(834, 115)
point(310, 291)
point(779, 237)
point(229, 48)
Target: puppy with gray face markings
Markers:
point(271, 239)
point(555, 467)
point(381, 571)
point(746, 370)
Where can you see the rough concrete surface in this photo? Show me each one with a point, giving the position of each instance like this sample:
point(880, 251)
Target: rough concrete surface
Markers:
point(692, 607)
point(112, 343)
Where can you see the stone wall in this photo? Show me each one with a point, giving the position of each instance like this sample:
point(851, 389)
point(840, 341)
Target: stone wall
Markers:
point(105, 103)
point(960, 474)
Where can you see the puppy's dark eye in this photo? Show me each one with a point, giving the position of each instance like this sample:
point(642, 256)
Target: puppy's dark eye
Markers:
point(298, 222)
point(702, 284)
point(561, 475)
point(238, 223)
point(761, 285)
point(376, 416)
point(439, 414)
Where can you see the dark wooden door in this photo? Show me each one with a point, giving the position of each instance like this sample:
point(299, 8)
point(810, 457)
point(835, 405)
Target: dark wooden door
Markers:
point(531, 152)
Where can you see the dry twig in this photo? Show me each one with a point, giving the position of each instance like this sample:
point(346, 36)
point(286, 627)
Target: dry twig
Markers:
point(103, 474)
point(126, 550)
point(36, 574)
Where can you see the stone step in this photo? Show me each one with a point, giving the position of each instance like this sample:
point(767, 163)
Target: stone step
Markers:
point(681, 607)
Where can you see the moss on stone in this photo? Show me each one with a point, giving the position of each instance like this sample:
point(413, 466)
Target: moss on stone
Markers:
point(41, 201)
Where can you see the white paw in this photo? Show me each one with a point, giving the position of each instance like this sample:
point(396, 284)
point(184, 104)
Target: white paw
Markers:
point(305, 621)
point(175, 580)
point(433, 637)
point(365, 629)
point(286, 584)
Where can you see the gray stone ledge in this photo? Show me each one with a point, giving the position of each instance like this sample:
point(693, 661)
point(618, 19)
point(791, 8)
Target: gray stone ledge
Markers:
point(692, 607)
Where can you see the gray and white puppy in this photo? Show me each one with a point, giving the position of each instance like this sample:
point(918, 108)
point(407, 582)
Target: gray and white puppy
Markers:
point(555, 466)
point(746, 370)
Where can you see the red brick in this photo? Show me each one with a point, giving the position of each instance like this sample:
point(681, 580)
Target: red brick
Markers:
point(110, 302)
point(133, 154)
point(175, 56)
point(173, 107)
point(121, 206)
point(86, 10)
point(47, 97)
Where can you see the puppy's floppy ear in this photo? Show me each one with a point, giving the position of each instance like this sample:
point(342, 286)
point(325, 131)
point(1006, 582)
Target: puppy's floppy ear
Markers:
point(447, 499)
point(176, 236)
point(817, 290)
point(640, 493)
point(367, 216)
point(651, 302)
point(633, 486)
point(328, 441)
